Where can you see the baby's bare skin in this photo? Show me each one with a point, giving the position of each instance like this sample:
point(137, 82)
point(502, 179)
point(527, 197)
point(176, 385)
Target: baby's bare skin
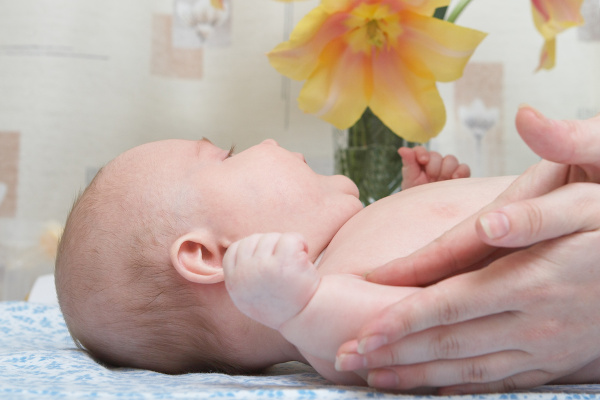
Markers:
point(271, 279)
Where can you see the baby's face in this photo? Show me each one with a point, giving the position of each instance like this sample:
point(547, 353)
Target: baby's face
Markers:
point(262, 189)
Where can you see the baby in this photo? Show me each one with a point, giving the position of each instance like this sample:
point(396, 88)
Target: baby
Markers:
point(150, 245)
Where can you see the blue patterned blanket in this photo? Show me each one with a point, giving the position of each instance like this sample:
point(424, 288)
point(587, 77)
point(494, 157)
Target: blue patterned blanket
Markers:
point(38, 360)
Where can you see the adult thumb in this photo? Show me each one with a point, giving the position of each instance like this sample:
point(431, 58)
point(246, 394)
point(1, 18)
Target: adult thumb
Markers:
point(560, 141)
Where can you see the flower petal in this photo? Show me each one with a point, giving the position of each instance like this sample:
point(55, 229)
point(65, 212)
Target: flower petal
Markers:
point(409, 104)
point(336, 6)
point(443, 47)
point(298, 57)
point(551, 17)
point(339, 88)
point(554, 16)
point(424, 7)
point(386, 54)
point(548, 55)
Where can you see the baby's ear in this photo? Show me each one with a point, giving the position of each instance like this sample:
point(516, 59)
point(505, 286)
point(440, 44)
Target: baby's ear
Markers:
point(198, 258)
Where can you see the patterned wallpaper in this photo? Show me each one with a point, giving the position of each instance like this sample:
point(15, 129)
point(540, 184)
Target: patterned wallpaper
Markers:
point(82, 81)
point(182, 35)
point(9, 172)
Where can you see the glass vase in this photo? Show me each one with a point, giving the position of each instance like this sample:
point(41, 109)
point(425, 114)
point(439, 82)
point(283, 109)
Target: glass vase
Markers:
point(367, 153)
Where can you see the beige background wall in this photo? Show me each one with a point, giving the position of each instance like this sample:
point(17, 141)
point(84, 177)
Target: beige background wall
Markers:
point(83, 80)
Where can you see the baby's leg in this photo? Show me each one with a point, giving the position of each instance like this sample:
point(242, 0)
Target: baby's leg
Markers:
point(269, 276)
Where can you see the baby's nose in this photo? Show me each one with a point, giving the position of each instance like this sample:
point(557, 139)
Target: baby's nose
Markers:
point(270, 142)
point(300, 156)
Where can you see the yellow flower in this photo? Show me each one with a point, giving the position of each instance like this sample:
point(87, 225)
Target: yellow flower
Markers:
point(382, 54)
point(218, 4)
point(551, 17)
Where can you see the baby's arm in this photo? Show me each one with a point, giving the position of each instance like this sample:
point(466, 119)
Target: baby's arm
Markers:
point(337, 310)
point(421, 166)
point(271, 280)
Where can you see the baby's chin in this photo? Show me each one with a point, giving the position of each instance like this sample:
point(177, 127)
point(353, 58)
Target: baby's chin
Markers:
point(346, 185)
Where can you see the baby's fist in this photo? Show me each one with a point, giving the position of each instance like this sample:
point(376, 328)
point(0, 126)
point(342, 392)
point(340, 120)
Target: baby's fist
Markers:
point(269, 276)
point(421, 166)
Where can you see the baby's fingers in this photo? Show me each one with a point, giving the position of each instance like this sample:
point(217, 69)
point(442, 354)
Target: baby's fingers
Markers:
point(449, 165)
point(433, 168)
point(422, 155)
point(462, 171)
point(411, 169)
point(266, 244)
point(291, 240)
point(291, 244)
point(229, 259)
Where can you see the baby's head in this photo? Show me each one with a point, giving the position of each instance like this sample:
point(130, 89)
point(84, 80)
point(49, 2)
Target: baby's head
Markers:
point(138, 272)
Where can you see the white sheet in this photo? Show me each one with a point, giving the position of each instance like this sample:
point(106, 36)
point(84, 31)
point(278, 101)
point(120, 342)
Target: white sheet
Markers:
point(38, 360)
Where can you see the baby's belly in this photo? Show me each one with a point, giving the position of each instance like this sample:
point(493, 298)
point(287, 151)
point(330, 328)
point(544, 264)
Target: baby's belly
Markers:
point(400, 224)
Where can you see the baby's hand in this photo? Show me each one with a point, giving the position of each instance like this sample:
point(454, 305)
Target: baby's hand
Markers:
point(421, 166)
point(269, 276)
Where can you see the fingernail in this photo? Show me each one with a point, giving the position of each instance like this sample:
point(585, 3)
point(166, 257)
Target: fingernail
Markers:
point(495, 225)
point(383, 378)
point(346, 362)
point(537, 113)
point(371, 343)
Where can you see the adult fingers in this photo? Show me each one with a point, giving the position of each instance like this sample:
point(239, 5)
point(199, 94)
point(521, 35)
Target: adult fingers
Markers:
point(475, 337)
point(483, 369)
point(551, 304)
point(561, 141)
point(496, 289)
point(534, 220)
point(544, 285)
point(529, 379)
point(461, 247)
point(452, 252)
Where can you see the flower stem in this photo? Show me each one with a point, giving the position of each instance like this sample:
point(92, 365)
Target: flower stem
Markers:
point(458, 10)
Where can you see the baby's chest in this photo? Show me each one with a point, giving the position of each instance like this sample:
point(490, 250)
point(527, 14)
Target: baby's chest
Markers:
point(401, 224)
point(362, 247)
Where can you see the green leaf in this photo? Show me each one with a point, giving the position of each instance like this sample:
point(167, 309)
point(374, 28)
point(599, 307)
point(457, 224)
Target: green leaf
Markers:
point(440, 12)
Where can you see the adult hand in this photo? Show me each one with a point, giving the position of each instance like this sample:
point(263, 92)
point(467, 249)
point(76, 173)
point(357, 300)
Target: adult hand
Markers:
point(571, 150)
point(529, 317)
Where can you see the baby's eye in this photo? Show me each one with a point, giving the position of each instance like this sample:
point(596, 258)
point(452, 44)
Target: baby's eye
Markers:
point(231, 151)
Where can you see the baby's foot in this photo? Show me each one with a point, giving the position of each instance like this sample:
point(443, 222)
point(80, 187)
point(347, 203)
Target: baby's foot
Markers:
point(269, 276)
